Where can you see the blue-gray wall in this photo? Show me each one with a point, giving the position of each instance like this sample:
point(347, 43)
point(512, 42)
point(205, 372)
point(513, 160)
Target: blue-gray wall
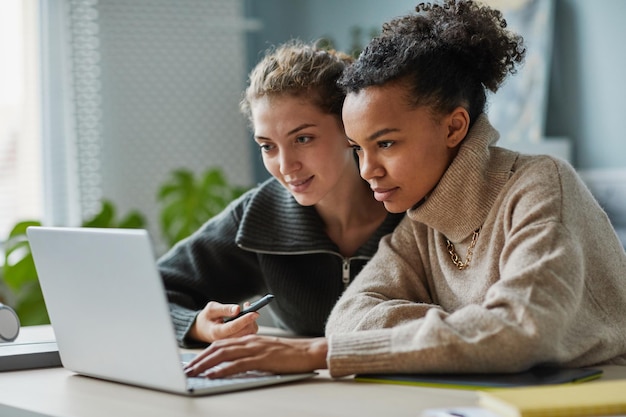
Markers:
point(587, 85)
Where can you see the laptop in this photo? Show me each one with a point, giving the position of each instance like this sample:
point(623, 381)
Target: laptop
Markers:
point(110, 315)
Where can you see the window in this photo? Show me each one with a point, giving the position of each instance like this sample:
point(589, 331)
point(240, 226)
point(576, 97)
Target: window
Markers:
point(20, 144)
point(108, 98)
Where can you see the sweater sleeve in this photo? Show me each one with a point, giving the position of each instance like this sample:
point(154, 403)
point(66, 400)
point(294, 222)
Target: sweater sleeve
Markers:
point(207, 266)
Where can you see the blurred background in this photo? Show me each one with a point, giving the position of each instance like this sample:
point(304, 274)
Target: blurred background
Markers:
point(125, 112)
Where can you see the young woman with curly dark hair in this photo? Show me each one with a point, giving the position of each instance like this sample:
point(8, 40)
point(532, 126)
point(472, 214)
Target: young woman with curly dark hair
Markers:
point(504, 261)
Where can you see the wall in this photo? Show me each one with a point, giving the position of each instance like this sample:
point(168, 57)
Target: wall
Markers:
point(589, 59)
point(155, 88)
point(312, 19)
point(586, 94)
point(587, 86)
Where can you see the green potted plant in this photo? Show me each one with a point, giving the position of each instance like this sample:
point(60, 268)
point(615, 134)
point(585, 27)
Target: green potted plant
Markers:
point(19, 284)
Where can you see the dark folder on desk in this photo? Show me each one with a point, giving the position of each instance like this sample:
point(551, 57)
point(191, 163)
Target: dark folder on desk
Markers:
point(17, 356)
point(541, 375)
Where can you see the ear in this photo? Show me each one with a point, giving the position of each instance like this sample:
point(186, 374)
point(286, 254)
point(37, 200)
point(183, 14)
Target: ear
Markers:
point(458, 124)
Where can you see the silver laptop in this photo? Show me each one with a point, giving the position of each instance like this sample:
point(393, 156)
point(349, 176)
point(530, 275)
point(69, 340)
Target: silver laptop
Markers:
point(108, 308)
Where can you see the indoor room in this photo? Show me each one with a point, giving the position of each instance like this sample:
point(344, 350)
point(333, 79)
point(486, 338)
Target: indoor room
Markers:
point(125, 114)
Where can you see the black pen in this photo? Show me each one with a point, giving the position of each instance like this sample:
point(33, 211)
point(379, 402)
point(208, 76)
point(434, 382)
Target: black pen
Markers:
point(253, 307)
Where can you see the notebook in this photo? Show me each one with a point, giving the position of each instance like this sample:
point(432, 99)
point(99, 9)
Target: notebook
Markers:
point(599, 398)
point(108, 308)
point(540, 375)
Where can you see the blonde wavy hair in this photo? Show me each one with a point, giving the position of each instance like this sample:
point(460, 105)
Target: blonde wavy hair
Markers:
point(298, 69)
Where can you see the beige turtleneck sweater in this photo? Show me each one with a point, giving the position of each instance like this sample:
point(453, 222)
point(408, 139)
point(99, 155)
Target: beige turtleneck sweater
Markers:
point(546, 284)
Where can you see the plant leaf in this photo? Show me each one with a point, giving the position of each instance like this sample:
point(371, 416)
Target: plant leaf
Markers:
point(187, 202)
point(104, 218)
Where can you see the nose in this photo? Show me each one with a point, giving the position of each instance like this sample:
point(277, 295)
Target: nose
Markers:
point(369, 167)
point(289, 162)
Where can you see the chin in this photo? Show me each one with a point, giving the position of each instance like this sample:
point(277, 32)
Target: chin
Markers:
point(304, 201)
point(394, 208)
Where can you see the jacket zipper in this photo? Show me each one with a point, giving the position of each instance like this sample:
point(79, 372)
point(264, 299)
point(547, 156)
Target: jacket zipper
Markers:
point(345, 267)
point(346, 273)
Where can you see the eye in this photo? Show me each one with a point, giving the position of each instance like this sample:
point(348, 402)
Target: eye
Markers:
point(356, 148)
point(385, 144)
point(304, 139)
point(266, 147)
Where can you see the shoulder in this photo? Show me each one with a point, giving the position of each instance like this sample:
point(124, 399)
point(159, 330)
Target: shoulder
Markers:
point(541, 172)
point(543, 164)
point(267, 194)
point(545, 184)
point(271, 196)
point(260, 197)
point(272, 216)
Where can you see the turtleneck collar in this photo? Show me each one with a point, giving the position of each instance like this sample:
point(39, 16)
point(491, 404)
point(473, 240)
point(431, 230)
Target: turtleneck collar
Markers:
point(460, 202)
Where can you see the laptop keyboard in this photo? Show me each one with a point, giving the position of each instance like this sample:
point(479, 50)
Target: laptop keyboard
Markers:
point(202, 382)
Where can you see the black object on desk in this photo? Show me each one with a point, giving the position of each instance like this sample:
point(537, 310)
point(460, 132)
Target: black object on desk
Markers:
point(541, 375)
point(18, 356)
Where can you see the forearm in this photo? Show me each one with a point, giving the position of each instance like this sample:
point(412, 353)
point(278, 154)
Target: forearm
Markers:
point(183, 320)
point(522, 322)
point(437, 343)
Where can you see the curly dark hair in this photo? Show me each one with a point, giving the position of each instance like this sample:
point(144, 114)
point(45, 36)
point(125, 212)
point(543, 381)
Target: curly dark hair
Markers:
point(449, 54)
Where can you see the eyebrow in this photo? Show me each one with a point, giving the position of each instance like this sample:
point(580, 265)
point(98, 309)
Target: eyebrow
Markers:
point(299, 128)
point(292, 131)
point(380, 133)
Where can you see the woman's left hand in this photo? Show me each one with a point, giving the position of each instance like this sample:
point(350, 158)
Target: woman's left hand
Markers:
point(259, 353)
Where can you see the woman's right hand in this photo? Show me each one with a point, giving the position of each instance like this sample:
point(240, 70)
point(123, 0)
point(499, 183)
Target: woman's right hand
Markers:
point(209, 325)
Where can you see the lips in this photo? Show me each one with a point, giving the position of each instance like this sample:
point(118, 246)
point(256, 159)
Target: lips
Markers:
point(300, 185)
point(383, 194)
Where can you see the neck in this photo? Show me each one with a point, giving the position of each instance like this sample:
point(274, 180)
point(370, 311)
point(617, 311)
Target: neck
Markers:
point(351, 214)
point(350, 202)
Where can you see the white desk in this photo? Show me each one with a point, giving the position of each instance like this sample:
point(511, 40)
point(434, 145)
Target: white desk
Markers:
point(58, 392)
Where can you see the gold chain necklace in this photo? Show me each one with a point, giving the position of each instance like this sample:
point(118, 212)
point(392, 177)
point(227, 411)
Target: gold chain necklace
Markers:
point(470, 251)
